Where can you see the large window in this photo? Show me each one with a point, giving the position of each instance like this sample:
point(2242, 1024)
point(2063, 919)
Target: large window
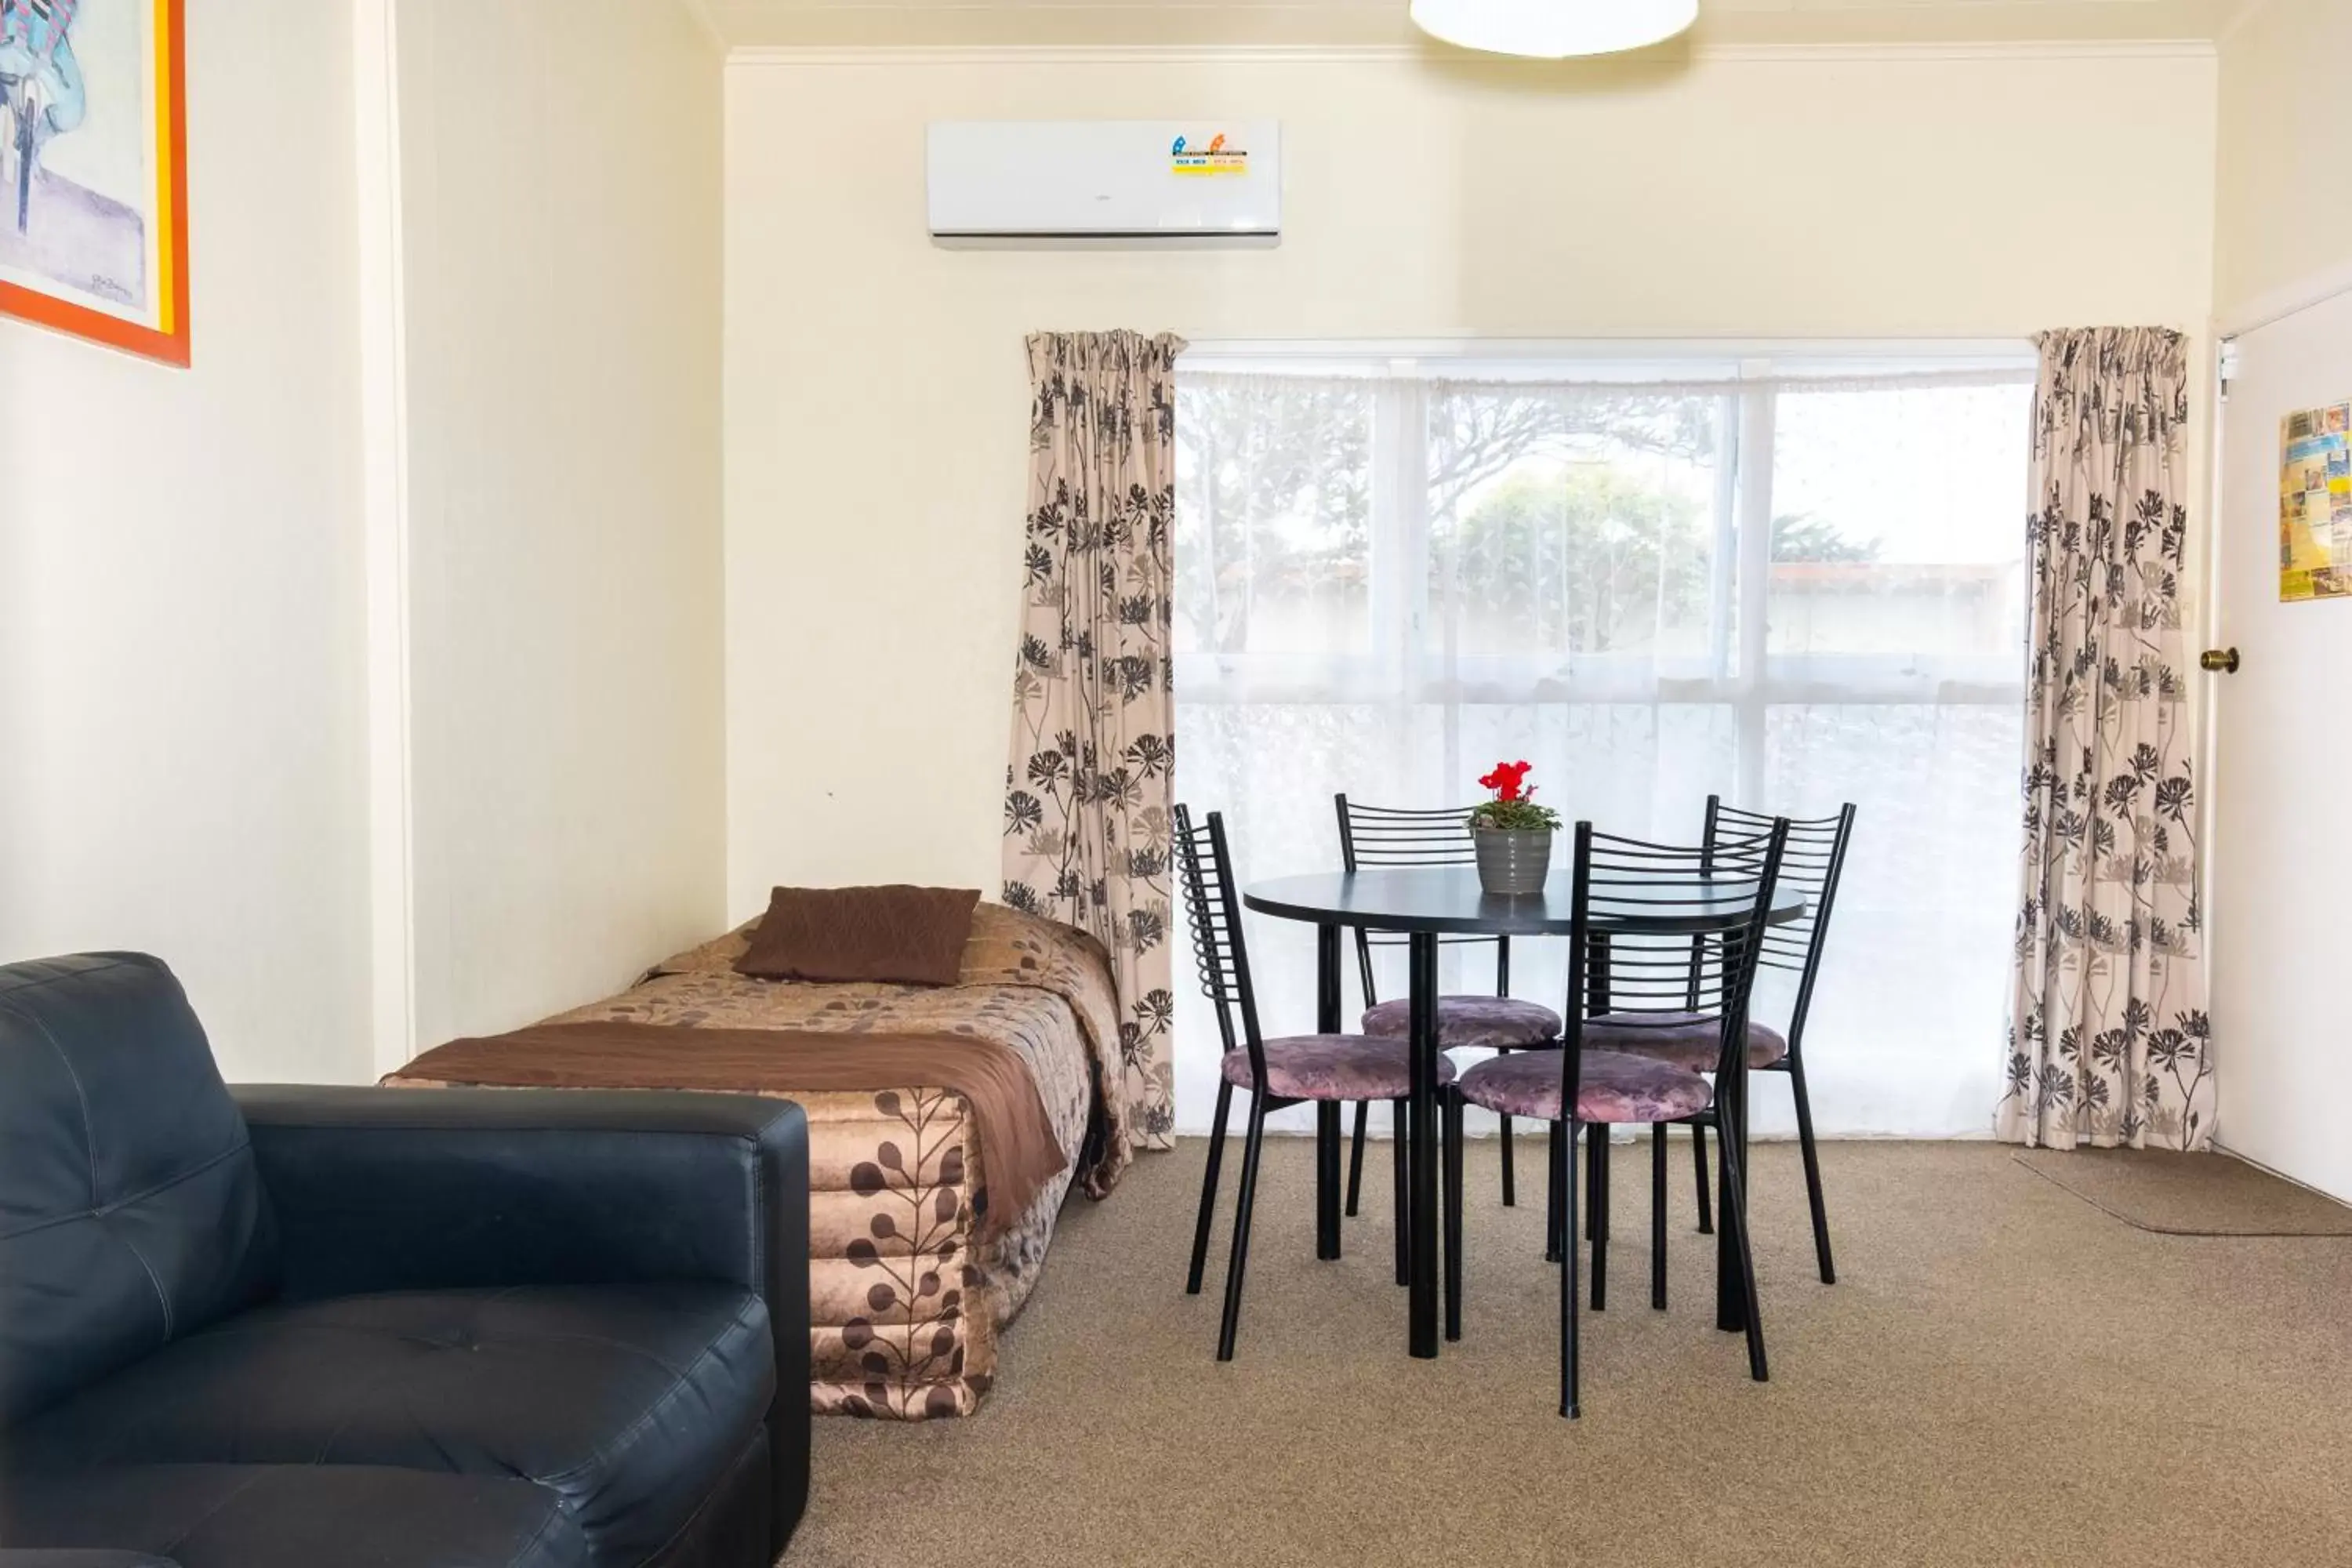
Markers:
point(1793, 582)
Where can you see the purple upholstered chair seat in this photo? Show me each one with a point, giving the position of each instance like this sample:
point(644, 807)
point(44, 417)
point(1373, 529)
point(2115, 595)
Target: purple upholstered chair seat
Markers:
point(1476, 1023)
point(1621, 1090)
point(1333, 1067)
point(1693, 1041)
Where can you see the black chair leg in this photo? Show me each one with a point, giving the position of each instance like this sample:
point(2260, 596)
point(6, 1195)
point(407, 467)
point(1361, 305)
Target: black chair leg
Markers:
point(1568, 1313)
point(1735, 1215)
point(1596, 1139)
point(1556, 1158)
point(1243, 1205)
point(1812, 1170)
point(1327, 1180)
point(1209, 1190)
point(1453, 1214)
point(1510, 1179)
point(1511, 1176)
point(1401, 1180)
point(1698, 1173)
point(1356, 1156)
point(1658, 1215)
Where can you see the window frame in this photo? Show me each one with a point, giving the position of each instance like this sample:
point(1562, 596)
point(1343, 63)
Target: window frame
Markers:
point(1737, 672)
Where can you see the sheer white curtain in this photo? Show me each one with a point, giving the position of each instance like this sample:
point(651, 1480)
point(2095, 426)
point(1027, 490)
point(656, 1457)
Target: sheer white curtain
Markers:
point(1790, 582)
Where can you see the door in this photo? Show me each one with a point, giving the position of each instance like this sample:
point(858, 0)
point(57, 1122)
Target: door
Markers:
point(2280, 860)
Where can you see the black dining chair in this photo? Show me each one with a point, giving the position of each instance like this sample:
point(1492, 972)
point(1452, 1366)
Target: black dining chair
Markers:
point(1373, 836)
point(1652, 981)
point(1328, 1069)
point(1813, 864)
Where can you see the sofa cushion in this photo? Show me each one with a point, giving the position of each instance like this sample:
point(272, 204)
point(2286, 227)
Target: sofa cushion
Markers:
point(628, 1402)
point(293, 1516)
point(129, 1209)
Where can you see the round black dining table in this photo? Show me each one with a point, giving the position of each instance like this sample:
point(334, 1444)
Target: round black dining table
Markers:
point(1426, 904)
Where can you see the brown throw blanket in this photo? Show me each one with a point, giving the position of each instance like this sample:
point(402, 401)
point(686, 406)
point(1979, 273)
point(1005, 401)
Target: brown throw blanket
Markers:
point(1018, 1151)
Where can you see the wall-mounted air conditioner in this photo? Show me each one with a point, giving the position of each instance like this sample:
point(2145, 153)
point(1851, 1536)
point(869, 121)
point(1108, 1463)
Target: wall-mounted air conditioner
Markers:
point(1105, 182)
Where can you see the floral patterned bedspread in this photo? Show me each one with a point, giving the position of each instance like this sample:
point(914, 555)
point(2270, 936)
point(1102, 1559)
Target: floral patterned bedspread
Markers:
point(905, 1307)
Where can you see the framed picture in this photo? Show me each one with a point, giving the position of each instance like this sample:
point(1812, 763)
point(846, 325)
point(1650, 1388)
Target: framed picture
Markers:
point(93, 171)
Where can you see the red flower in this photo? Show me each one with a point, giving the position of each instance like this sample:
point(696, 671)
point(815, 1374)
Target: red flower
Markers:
point(1505, 780)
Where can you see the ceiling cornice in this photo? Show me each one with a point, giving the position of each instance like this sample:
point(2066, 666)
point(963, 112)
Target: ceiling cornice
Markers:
point(1364, 54)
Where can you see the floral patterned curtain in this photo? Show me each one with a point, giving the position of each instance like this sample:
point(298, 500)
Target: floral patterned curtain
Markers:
point(2108, 1038)
point(1089, 789)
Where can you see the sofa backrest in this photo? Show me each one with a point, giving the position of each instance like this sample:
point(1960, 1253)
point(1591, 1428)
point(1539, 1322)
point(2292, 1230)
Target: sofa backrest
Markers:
point(130, 1211)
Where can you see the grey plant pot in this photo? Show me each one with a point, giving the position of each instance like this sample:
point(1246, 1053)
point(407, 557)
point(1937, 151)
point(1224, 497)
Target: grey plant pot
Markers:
point(1513, 861)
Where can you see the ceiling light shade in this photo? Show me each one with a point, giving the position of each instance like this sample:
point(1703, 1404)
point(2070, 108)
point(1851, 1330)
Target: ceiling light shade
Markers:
point(1553, 29)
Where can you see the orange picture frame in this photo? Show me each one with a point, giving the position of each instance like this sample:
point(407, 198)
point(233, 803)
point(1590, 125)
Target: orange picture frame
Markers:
point(155, 326)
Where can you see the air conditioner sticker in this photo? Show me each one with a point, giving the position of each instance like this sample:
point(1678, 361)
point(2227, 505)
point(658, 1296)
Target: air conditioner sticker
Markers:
point(1219, 157)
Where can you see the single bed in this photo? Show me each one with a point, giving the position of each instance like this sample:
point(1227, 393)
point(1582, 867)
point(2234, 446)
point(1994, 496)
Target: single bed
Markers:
point(911, 1276)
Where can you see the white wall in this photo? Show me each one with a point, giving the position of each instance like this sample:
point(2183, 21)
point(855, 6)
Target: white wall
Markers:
point(560, 167)
point(876, 398)
point(2282, 113)
point(2281, 1048)
point(181, 600)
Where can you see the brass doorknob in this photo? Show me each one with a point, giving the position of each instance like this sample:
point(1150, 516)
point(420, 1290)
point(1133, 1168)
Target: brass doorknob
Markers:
point(2222, 659)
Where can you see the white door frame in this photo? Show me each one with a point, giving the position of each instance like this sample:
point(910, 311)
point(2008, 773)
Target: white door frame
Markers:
point(383, 449)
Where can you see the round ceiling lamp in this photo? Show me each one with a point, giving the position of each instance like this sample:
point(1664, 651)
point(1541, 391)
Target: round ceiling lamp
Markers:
point(1553, 29)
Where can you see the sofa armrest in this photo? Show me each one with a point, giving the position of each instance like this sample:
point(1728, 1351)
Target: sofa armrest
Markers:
point(389, 1189)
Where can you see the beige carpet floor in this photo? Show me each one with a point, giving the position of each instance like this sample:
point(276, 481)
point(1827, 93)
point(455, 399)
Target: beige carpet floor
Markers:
point(2003, 1376)
point(2189, 1195)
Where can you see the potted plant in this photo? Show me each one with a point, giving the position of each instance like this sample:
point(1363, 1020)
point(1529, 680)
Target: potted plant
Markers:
point(1513, 834)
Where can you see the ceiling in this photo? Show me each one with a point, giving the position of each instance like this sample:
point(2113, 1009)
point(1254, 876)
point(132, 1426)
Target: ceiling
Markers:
point(1305, 23)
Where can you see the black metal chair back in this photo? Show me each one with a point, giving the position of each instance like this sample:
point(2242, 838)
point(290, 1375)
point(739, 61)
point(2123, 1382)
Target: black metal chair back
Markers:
point(1813, 864)
point(1659, 979)
point(1388, 835)
point(1219, 950)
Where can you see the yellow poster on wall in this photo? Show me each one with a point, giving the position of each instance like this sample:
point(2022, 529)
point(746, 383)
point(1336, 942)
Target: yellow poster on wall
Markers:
point(2316, 503)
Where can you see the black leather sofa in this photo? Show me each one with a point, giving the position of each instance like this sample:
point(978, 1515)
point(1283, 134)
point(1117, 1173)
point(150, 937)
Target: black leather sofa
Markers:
point(326, 1327)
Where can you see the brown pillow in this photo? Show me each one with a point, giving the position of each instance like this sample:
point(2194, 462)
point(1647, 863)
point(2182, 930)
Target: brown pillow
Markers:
point(912, 935)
